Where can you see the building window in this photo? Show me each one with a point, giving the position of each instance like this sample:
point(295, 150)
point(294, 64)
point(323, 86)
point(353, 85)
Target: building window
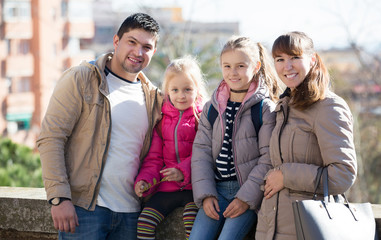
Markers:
point(23, 47)
point(64, 9)
point(23, 85)
point(8, 82)
point(16, 10)
point(18, 121)
point(8, 43)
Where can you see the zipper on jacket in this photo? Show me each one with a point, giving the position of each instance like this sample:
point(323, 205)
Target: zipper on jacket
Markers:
point(176, 143)
point(285, 118)
point(238, 174)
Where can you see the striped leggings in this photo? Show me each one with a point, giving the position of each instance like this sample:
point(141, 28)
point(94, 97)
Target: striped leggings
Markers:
point(159, 206)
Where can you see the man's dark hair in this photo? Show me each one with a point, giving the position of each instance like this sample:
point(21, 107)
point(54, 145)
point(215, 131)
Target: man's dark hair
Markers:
point(139, 21)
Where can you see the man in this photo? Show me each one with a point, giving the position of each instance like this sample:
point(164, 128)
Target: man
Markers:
point(96, 130)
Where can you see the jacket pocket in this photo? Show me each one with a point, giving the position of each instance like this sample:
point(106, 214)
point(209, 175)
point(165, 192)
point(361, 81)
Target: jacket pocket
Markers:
point(299, 144)
point(92, 111)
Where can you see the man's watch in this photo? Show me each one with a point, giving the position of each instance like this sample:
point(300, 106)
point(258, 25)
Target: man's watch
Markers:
point(57, 200)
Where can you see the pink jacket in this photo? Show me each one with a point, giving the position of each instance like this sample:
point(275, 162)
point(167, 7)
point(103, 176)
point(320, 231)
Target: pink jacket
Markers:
point(173, 150)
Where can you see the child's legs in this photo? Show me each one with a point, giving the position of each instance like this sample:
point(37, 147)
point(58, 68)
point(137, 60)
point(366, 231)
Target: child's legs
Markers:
point(157, 208)
point(207, 228)
point(189, 215)
point(238, 227)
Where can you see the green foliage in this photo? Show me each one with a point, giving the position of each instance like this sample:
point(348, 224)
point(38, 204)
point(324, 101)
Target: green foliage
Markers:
point(370, 150)
point(19, 166)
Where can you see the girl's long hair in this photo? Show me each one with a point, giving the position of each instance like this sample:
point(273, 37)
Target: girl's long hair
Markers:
point(315, 84)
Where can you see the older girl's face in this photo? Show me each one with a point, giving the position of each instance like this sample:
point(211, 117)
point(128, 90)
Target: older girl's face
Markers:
point(292, 70)
point(237, 69)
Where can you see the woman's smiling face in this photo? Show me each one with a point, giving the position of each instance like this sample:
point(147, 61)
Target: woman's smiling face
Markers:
point(292, 70)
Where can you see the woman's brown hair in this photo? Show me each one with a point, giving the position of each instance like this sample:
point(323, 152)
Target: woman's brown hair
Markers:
point(313, 88)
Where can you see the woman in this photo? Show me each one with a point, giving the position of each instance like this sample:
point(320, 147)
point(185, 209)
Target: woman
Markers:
point(314, 128)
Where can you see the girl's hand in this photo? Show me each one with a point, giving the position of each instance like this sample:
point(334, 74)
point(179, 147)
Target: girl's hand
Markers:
point(140, 188)
point(274, 183)
point(235, 208)
point(172, 174)
point(211, 208)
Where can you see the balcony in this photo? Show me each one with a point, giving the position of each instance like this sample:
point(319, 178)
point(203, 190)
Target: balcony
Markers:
point(19, 65)
point(79, 29)
point(75, 59)
point(20, 102)
point(18, 30)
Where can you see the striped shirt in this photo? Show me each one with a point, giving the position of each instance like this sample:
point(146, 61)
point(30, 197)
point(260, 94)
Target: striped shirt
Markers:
point(225, 161)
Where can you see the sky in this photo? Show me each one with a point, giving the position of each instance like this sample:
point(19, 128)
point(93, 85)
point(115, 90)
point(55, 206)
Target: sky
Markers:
point(330, 23)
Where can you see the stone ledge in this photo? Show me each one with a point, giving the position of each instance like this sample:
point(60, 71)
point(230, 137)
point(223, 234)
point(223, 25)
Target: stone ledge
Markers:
point(25, 214)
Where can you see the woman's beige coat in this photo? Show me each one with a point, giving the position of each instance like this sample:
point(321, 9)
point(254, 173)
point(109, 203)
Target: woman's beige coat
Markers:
point(302, 141)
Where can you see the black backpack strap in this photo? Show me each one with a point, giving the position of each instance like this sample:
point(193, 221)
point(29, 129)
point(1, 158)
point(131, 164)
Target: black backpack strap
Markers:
point(212, 115)
point(256, 116)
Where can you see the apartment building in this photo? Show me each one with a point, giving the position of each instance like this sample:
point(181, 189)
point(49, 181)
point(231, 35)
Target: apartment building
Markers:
point(39, 39)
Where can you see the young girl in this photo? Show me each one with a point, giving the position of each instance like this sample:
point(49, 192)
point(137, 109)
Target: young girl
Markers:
point(229, 160)
point(166, 171)
point(313, 129)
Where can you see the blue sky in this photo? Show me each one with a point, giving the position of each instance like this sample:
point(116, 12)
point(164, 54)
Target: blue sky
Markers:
point(330, 23)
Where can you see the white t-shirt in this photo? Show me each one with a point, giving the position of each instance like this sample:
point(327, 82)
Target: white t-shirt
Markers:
point(129, 124)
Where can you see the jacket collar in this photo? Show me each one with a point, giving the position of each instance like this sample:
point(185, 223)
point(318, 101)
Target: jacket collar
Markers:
point(169, 109)
point(257, 91)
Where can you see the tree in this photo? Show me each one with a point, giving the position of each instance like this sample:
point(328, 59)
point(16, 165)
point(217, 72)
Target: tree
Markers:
point(19, 166)
point(360, 28)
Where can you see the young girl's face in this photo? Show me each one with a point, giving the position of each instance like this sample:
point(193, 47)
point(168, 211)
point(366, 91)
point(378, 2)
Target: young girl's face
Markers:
point(182, 91)
point(237, 69)
point(292, 70)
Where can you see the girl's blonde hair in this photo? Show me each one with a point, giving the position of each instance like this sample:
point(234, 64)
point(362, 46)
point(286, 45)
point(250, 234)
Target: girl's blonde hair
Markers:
point(313, 88)
point(257, 53)
point(189, 66)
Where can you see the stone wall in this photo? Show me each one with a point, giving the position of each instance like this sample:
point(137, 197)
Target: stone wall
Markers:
point(25, 214)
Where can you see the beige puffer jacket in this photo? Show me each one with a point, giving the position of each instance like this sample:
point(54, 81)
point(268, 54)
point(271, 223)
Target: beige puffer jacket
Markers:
point(302, 141)
point(252, 159)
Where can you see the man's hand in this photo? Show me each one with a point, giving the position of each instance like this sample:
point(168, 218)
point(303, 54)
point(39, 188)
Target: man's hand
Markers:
point(64, 217)
point(235, 208)
point(211, 207)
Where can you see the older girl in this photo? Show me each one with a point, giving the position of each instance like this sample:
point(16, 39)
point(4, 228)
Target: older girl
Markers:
point(229, 159)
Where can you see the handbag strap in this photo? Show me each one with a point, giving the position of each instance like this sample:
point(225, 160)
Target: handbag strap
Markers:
point(325, 184)
point(317, 181)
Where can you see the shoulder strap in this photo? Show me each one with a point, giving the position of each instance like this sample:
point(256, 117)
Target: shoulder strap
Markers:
point(256, 116)
point(212, 115)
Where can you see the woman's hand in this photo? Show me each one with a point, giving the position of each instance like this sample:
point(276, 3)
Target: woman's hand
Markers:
point(274, 183)
point(211, 207)
point(140, 188)
point(172, 174)
point(235, 208)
